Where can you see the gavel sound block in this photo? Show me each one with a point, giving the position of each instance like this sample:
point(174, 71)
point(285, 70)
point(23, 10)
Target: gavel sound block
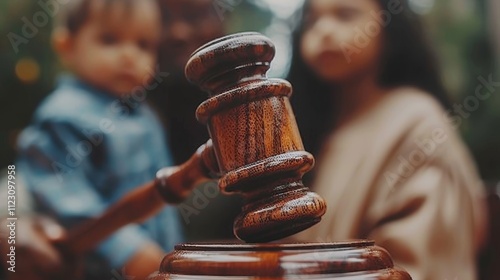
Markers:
point(260, 156)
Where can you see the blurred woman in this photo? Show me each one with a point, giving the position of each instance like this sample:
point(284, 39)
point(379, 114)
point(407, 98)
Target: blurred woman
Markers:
point(371, 108)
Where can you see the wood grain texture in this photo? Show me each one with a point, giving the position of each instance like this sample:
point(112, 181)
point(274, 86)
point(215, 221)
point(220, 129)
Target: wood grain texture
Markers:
point(255, 137)
point(342, 260)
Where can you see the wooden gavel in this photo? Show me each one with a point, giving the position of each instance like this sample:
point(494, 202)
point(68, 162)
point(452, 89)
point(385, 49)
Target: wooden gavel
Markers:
point(257, 151)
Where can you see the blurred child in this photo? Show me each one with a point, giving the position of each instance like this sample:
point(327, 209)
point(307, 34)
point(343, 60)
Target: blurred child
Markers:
point(94, 138)
point(370, 106)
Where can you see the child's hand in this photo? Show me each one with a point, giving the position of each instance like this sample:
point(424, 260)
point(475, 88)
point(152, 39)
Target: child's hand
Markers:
point(144, 262)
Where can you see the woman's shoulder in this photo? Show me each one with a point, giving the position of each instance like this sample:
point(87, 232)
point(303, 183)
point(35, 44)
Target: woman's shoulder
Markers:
point(410, 103)
point(404, 121)
point(417, 124)
point(413, 109)
point(401, 114)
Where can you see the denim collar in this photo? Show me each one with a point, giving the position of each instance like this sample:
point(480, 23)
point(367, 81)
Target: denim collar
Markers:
point(106, 97)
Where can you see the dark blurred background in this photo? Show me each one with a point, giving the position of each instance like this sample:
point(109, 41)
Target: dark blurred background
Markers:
point(465, 33)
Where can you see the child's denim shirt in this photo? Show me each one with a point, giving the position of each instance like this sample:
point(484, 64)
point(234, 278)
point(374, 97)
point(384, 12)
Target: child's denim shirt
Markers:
point(84, 150)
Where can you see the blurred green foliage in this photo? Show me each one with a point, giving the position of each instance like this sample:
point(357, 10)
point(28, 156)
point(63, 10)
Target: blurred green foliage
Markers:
point(19, 98)
point(460, 35)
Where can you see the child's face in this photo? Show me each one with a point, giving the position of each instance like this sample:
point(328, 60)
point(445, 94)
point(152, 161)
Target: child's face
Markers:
point(116, 49)
point(340, 40)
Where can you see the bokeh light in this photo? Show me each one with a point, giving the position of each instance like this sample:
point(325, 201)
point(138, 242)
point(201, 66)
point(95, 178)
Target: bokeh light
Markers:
point(27, 70)
point(422, 6)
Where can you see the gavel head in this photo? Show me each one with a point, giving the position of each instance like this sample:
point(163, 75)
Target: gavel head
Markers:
point(255, 137)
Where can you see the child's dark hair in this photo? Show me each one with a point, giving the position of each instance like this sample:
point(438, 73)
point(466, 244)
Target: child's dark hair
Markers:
point(407, 61)
point(75, 13)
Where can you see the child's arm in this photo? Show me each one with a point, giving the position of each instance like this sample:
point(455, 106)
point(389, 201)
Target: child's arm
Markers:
point(63, 188)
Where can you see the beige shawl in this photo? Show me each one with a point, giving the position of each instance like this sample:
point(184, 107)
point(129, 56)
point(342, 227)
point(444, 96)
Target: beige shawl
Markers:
point(400, 175)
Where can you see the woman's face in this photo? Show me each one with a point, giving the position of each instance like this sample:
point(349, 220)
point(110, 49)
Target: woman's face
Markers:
point(342, 39)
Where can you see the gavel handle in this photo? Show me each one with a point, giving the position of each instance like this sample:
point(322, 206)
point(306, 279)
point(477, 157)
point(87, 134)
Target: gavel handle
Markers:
point(172, 185)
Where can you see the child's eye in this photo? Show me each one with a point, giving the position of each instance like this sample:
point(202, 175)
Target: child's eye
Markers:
point(196, 15)
point(309, 21)
point(347, 14)
point(145, 45)
point(108, 39)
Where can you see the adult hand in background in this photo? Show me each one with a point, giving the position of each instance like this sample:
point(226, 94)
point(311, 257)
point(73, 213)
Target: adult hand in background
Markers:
point(33, 255)
point(144, 262)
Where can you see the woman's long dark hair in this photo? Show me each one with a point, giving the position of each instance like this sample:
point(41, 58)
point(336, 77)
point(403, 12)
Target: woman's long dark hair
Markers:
point(407, 61)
